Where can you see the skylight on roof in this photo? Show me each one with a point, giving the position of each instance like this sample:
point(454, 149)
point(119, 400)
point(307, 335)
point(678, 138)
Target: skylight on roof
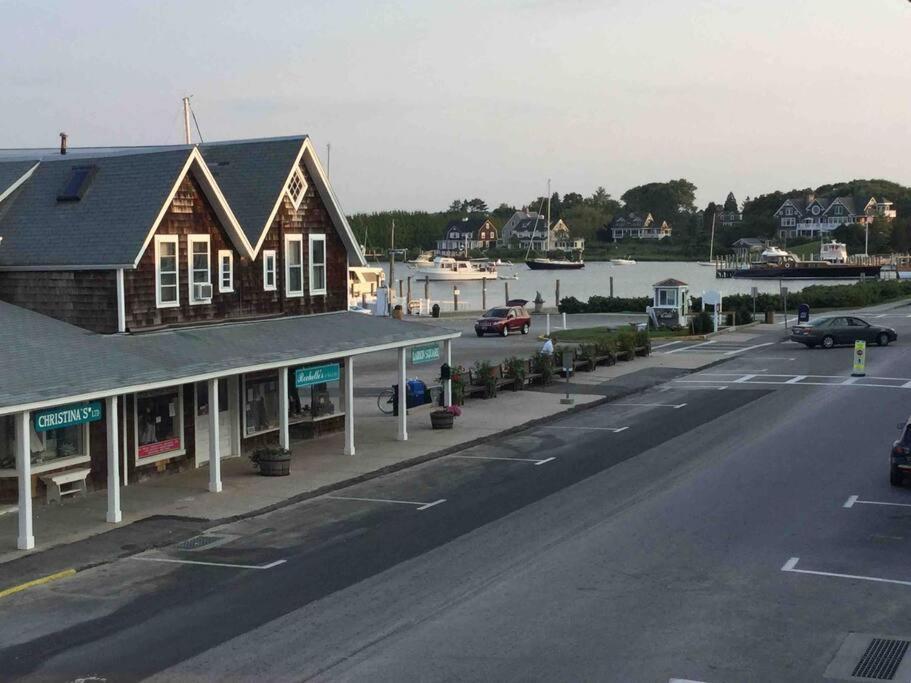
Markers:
point(78, 182)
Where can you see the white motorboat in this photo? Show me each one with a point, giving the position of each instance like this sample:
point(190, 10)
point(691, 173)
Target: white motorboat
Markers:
point(446, 268)
point(623, 261)
point(363, 281)
point(425, 258)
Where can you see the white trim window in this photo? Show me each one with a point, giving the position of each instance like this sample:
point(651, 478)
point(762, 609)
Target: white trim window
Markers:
point(294, 265)
point(297, 187)
point(225, 270)
point(317, 264)
point(788, 222)
point(199, 274)
point(269, 270)
point(167, 276)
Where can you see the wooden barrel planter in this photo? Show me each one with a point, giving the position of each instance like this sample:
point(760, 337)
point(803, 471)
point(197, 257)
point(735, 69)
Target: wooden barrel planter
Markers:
point(272, 462)
point(441, 419)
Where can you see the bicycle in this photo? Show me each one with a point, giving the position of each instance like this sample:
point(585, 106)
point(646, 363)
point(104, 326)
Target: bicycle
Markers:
point(386, 401)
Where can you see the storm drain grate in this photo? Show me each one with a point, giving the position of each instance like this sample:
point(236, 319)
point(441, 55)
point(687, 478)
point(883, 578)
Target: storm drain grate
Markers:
point(881, 659)
point(202, 541)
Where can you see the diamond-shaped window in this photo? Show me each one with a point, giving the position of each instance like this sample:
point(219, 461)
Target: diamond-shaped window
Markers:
point(297, 187)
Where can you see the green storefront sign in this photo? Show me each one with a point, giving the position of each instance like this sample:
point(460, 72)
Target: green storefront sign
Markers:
point(305, 377)
point(425, 354)
point(67, 416)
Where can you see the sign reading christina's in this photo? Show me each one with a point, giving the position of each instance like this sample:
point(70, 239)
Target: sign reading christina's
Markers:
point(67, 416)
point(425, 354)
point(317, 374)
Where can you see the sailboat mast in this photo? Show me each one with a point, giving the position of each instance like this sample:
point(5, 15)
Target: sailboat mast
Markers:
point(547, 227)
point(712, 240)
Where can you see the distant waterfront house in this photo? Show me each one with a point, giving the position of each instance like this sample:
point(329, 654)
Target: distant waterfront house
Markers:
point(530, 233)
point(506, 232)
point(747, 246)
point(812, 216)
point(639, 227)
point(730, 215)
point(467, 234)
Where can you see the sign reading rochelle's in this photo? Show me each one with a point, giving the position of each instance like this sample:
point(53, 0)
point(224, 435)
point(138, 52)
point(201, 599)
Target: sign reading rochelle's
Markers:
point(317, 374)
point(67, 416)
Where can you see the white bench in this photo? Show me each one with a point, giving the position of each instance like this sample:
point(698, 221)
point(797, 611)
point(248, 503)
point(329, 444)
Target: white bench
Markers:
point(65, 483)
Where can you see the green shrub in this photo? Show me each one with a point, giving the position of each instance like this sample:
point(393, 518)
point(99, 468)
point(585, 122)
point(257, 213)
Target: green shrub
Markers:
point(543, 363)
point(644, 340)
point(606, 346)
point(626, 341)
point(515, 370)
point(486, 376)
point(702, 323)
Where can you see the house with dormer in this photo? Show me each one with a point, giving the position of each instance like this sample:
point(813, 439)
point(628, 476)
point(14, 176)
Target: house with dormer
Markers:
point(466, 234)
point(165, 307)
point(638, 226)
point(812, 216)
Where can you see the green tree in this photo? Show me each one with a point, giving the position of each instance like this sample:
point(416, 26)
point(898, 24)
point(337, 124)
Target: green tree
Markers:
point(572, 199)
point(663, 200)
point(477, 205)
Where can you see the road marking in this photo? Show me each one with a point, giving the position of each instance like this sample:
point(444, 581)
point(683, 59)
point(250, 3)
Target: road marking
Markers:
point(37, 582)
point(593, 429)
point(796, 379)
point(907, 385)
point(851, 380)
point(790, 565)
point(881, 315)
point(687, 348)
point(661, 346)
point(208, 564)
point(745, 378)
point(748, 348)
point(683, 680)
point(490, 457)
point(650, 405)
point(421, 505)
point(855, 500)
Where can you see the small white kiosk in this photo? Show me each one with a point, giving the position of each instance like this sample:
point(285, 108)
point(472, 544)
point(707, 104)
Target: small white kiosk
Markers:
point(671, 303)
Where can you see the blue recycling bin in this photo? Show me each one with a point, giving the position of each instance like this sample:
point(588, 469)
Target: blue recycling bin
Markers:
point(416, 394)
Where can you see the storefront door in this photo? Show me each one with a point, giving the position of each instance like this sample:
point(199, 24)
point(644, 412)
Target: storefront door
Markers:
point(227, 419)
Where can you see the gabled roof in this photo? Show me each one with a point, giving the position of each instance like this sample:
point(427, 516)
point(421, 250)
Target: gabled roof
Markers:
point(112, 224)
point(670, 282)
point(466, 226)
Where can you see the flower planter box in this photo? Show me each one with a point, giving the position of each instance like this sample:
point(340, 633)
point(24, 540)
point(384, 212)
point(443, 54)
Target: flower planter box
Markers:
point(272, 462)
point(441, 419)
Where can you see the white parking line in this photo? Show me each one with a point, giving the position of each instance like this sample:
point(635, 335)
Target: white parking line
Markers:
point(650, 405)
point(748, 348)
point(207, 564)
point(855, 500)
point(593, 429)
point(790, 565)
point(661, 346)
point(490, 457)
point(796, 379)
point(421, 505)
point(687, 348)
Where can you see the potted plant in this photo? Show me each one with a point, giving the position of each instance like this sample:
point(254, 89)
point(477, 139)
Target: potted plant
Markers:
point(539, 302)
point(543, 364)
point(444, 417)
point(487, 377)
point(515, 370)
point(272, 461)
point(457, 380)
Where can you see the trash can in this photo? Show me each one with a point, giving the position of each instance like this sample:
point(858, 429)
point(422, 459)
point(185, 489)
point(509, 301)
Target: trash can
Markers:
point(435, 311)
point(416, 394)
point(397, 312)
point(770, 317)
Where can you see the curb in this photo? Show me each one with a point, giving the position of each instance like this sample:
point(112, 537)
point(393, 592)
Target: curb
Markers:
point(205, 524)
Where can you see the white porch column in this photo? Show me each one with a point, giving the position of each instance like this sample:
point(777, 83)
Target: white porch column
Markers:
point(110, 415)
point(284, 437)
point(447, 384)
point(214, 445)
point(403, 411)
point(26, 540)
point(349, 405)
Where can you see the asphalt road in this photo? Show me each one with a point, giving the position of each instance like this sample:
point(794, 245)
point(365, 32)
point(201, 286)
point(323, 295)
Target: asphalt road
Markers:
point(647, 539)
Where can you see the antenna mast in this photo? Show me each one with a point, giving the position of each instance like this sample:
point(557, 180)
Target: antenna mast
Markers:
point(186, 120)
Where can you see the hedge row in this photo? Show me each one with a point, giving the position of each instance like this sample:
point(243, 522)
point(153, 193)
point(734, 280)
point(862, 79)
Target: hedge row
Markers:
point(605, 304)
point(822, 296)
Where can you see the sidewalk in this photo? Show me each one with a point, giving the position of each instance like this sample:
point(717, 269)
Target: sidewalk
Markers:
point(173, 507)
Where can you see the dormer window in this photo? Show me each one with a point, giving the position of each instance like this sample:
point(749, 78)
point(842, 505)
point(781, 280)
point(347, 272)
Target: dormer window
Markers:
point(297, 187)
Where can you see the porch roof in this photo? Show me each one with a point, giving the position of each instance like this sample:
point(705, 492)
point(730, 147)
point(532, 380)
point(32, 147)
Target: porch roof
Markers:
point(47, 362)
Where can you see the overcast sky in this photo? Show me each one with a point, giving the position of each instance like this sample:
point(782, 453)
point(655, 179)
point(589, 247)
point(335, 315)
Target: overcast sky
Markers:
point(426, 101)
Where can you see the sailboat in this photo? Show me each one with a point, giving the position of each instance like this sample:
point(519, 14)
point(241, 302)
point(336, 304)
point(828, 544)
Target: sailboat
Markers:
point(545, 263)
point(711, 261)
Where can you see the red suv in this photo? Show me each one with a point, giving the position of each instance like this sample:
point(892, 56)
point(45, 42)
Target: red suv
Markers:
point(502, 320)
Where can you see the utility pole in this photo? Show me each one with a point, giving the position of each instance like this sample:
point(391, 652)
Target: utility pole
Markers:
point(186, 120)
point(547, 227)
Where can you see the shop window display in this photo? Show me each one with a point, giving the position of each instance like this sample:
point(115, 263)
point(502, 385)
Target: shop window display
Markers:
point(159, 427)
point(260, 402)
point(314, 402)
point(45, 446)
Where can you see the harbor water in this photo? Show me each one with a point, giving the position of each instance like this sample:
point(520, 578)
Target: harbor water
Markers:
point(594, 279)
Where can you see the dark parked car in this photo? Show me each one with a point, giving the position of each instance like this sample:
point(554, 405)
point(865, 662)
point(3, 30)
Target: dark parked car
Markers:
point(842, 329)
point(502, 320)
point(900, 458)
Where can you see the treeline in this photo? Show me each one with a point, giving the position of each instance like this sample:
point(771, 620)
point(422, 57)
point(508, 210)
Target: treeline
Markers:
point(588, 216)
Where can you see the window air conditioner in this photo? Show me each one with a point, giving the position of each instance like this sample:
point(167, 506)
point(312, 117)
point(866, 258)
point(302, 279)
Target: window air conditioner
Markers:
point(202, 291)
